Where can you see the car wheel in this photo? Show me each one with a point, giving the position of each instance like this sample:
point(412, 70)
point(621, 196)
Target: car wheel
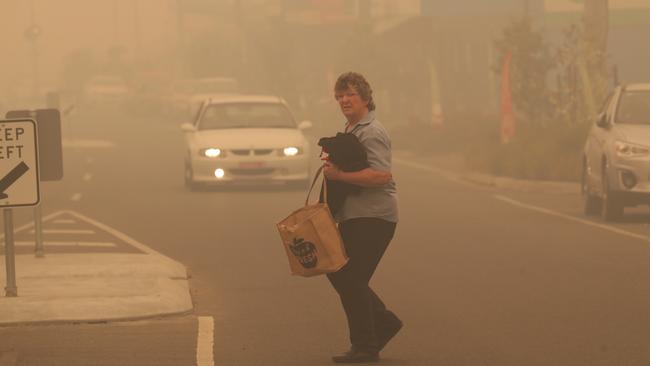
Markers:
point(591, 203)
point(189, 178)
point(611, 209)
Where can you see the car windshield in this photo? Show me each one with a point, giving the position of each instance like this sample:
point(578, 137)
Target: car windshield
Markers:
point(246, 115)
point(634, 108)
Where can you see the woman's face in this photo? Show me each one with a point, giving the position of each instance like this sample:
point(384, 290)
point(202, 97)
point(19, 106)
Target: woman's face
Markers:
point(353, 107)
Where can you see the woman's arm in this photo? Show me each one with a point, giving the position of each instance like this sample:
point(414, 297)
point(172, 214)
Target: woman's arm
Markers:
point(366, 178)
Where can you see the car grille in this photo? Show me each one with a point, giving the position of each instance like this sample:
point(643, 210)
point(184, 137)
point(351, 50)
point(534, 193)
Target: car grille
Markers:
point(261, 171)
point(241, 152)
point(246, 152)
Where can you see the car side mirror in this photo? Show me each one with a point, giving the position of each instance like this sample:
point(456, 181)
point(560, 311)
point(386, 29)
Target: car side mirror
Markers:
point(601, 121)
point(305, 125)
point(188, 127)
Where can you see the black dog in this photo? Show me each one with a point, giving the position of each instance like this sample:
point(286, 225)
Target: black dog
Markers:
point(346, 152)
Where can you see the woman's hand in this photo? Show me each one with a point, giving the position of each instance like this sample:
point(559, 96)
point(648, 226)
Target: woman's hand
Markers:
point(331, 171)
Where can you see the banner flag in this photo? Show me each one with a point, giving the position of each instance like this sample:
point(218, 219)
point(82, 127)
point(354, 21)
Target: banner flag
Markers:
point(507, 109)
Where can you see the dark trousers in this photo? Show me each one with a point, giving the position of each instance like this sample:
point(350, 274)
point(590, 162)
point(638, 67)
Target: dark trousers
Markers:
point(365, 240)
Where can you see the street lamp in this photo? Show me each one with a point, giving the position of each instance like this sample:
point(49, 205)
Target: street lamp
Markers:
point(32, 34)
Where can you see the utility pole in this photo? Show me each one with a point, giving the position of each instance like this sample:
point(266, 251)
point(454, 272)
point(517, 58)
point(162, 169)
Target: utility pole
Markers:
point(596, 30)
point(114, 22)
point(526, 8)
point(33, 33)
point(180, 37)
point(596, 22)
point(239, 14)
point(365, 11)
point(137, 52)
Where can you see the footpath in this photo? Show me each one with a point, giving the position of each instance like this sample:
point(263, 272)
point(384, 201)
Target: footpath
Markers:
point(452, 167)
point(90, 273)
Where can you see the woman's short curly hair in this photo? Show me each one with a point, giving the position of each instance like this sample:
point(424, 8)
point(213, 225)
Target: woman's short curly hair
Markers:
point(359, 83)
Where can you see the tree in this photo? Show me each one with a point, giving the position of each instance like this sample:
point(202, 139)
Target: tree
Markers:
point(596, 31)
point(596, 23)
point(530, 67)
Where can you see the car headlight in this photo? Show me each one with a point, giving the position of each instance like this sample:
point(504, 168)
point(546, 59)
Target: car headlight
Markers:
point(211, 152)
point(628, 150)
point(291, 151)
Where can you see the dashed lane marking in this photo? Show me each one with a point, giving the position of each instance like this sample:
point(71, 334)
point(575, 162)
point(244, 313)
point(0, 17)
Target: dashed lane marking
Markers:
point(76, 197)
point(205, 342)
point(546, 211)
point(572, 218)
point(445, 174)
point(86, 244)
point(87, 177)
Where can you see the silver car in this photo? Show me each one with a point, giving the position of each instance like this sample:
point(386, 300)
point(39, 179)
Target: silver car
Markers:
point(616, 162)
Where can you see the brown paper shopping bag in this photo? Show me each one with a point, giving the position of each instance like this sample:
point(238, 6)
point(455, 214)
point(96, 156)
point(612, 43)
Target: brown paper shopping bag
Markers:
point(311, 239)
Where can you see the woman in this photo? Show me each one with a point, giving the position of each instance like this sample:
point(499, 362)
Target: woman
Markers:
point(367, 223)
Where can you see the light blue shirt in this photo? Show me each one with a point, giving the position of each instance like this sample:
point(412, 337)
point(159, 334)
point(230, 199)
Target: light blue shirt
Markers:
point(376, 202)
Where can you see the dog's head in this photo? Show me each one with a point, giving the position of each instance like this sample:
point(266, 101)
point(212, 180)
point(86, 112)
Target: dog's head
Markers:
point(346, 151)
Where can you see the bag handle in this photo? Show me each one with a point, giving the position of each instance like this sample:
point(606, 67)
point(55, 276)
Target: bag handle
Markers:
point(313, 182)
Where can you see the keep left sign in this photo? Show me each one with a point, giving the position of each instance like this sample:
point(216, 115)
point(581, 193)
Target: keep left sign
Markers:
point(18, 163)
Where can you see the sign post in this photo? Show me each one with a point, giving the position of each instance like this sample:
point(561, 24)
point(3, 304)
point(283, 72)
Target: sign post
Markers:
point(50, 158)
point(39, 250)
point(19, 182)
point(11, 290)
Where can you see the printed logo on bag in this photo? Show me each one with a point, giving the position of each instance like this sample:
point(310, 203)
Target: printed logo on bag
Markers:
point(305, 251)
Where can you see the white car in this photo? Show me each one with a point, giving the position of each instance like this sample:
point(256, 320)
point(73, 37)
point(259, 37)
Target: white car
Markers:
point(245, 139)
point(616, 162)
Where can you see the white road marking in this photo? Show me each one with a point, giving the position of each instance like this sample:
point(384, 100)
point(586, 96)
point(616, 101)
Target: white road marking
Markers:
point(64, 221)
point(89, 160)
point(87, 177)
point(205, 342)
point(31, 224)
point(55, 231)
point(117, 234)
point(88, 244)
point(447, 175)
point(572, 218)
point(76, 197)
point(453, 178)
point(125, 238)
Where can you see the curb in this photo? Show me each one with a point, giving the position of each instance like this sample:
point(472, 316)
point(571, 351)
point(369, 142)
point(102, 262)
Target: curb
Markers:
point(451, 167)
point(83, 288)
point(94, 321)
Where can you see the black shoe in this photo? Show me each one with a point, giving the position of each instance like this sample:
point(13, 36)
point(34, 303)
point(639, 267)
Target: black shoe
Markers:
point(356, 356)
point(386, 337)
